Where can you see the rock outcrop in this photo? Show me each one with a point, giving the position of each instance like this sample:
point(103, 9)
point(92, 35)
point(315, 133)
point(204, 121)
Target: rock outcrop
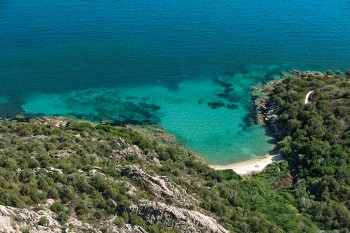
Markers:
point(158, 185)
point(129, 151)
point(183, 219)
point(307, 73)
point(17, 220)
point(128, 228)
point(63, 153)
point(13, 220)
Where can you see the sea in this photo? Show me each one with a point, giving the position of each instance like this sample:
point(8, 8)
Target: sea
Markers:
point(187, 66)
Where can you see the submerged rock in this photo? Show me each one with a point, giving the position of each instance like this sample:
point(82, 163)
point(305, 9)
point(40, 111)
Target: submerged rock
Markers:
point(231, 106)
point(223, 83)
point(229, 90)
point(216, 105)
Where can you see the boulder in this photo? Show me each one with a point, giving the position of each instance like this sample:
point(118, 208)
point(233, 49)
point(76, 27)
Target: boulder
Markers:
point(182, 219)
point(158, 185)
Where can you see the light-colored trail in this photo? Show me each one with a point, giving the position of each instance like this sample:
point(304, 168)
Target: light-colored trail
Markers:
point(307, 97)
point(250, 166)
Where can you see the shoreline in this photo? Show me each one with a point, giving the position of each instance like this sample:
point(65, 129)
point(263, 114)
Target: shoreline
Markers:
point(250, 166)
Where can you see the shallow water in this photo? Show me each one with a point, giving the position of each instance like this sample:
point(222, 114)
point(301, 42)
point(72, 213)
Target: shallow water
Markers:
point(221, 133)
point(160, 62)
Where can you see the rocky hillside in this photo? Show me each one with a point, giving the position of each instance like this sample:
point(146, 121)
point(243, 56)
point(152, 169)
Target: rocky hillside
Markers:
point(62, 175)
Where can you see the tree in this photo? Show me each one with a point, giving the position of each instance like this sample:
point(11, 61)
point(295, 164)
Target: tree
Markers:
point(347, 72)
point(329, 72)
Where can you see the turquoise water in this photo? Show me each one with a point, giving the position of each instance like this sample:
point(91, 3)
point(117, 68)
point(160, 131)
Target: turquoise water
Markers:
point(187, 66)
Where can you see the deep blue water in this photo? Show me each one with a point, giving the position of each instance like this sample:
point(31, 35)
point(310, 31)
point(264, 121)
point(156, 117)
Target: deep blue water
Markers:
point(60, 57)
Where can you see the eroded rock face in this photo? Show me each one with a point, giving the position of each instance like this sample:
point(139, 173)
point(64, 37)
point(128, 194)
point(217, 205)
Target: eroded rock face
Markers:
point(158, 185)
point(183, 219)
point(129, 151)
point(119, 142)
point(16, 220)
point(132, 229)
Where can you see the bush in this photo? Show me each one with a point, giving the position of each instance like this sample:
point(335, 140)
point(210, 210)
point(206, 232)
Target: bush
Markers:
point(43, 221)
point(62, 217)
point(347, 72)
point(329, 72)
point(119, 222)
point(137, 220)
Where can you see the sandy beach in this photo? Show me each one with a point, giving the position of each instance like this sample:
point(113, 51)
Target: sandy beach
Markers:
point(250, 166)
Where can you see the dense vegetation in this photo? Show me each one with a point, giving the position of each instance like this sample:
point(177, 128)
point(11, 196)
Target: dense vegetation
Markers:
point(39, 161)
point(76, 165)
point(315, 139)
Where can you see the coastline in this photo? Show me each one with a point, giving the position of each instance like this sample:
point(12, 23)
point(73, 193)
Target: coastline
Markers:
point(243, 168)
point(250, 166)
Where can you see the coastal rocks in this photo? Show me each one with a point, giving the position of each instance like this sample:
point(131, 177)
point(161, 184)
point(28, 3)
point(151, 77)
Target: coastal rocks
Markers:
point(260, 107)
point(270, 115)
point(265, 109)
point(305, 74)
point(178, 218)
point(159, 186)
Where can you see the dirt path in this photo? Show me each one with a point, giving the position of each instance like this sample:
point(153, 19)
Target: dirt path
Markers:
point(307, 97)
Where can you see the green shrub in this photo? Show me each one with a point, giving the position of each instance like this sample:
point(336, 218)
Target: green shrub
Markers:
point(347, 72)
point(43, 221)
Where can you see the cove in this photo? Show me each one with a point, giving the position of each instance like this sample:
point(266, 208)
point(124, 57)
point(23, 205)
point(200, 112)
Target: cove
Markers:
point(187, 66)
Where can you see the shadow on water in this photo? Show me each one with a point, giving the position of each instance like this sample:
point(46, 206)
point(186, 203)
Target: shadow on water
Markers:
point(109, 105)
point(11, 107)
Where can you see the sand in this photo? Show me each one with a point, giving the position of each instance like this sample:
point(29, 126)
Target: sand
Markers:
point(250, 166)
